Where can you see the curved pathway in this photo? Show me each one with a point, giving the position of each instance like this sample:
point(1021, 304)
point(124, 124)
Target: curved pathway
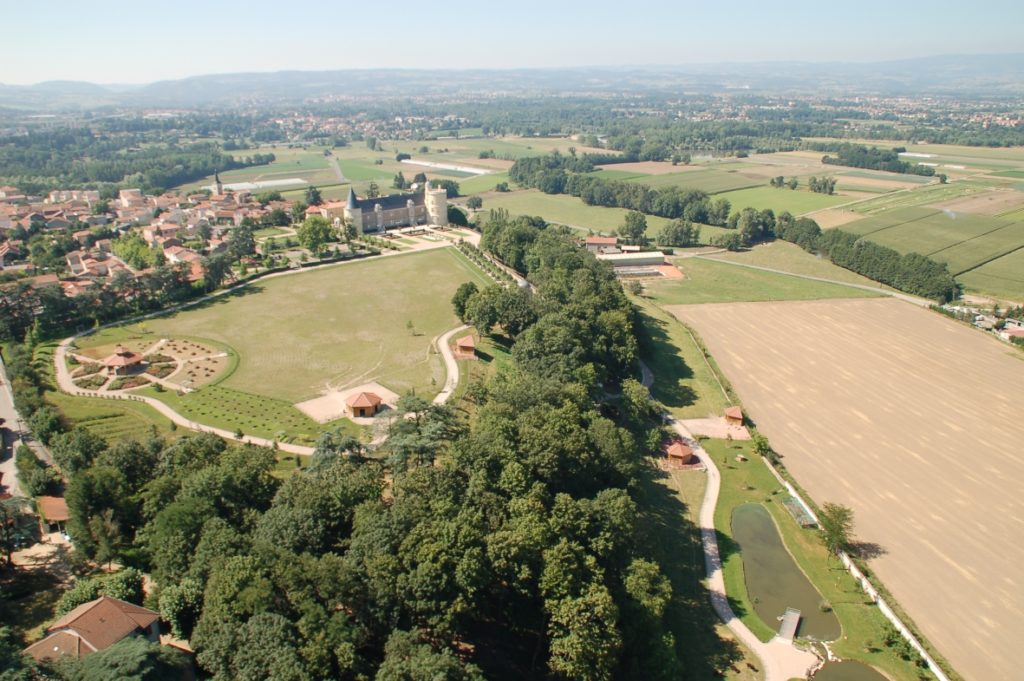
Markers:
point(452, 366)
point(780, 659)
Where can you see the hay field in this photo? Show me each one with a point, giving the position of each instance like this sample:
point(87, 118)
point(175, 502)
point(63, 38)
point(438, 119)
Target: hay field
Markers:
point(710, 180)
point(912, 420)
point(295, 335)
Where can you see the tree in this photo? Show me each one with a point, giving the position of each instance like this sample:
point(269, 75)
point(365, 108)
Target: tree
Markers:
point(679, 233)
point(634, 228)
point(314, 233)
point(399, 181)
point(216, 269)
point(836, 527)
point(46, 423)
point(793, 183)
point(241, 242)
point(461, 298)
point(14, 665)
point(457, 217)
point(373, 191)
point(299, 211)
point(420, 178)
point(409, 656)
point(474, 203)
point(133, 658)
point(450, 186)
point(313, 197)
point(16, 526)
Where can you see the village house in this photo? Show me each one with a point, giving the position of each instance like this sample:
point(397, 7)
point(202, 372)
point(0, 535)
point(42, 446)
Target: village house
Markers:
point(95, 626)
point(602, 244)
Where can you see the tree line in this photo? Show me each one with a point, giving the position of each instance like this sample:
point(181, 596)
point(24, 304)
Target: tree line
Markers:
point(871, 158)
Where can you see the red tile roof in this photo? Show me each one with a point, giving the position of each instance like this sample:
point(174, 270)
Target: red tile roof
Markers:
point(363, 400)
point(93, 626)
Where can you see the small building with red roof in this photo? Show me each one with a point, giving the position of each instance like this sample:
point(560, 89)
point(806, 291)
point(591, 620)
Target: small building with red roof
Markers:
point(122, 362)
point(363, 404)
point(734, 416)
point(95, 626)
point(465, 348)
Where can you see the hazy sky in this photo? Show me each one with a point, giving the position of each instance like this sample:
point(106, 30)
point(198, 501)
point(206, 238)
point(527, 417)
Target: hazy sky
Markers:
point(114, 41)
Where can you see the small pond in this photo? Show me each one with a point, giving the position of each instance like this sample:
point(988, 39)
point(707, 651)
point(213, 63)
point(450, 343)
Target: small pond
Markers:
point(774, 581)
point(848, 671)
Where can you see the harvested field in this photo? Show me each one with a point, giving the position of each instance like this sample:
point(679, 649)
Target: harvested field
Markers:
point(710, 180)
point(908, 418)
point(996, 202)
point(834, 217)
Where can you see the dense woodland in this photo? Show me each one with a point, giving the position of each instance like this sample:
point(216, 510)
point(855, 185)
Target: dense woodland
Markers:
point(872, 158)
point(519, 541)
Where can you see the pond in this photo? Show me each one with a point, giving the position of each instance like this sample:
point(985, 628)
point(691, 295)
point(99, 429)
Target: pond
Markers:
point(774, 581)
point(848, 671)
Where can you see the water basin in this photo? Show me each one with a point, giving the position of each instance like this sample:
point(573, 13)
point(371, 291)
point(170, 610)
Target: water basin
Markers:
point(774, 581)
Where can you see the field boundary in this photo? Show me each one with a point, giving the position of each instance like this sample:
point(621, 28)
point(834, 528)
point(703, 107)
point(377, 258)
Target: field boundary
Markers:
point(865, 583)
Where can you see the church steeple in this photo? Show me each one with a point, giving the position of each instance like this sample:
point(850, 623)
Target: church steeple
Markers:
point(217, 184)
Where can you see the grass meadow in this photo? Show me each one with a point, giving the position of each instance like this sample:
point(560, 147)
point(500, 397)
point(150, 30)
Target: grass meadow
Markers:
point(710, 281)
point(797, 201)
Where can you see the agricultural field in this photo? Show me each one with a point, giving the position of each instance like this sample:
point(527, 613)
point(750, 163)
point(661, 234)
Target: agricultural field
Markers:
point(797, 201)
point(926, 468)
point(298, 336)
point(308, 164)
point(710, 180)
point(710, 281)
point(782, 255)
point(1002, 277)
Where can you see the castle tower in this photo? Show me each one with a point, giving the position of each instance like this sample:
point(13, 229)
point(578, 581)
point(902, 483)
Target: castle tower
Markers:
point(436, 202)
point(353, 213)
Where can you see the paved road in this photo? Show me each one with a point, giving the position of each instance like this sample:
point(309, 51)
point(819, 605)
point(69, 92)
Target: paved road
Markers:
point(780, 659)
point(333, 162)
point(452, 366)
point(922, 302)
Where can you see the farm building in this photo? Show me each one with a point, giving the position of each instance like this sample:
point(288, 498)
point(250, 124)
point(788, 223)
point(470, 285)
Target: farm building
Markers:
point(465, 348)
point(601, 244)
point(734, 416)
point(644, 259)
point(361, 405)
point(397, 210)
point(122, 361)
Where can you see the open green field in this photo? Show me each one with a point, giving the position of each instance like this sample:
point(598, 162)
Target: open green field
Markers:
point(710, 180)
point(782, 255)
point(334, 327)
point(709, 281)
point(882, 175)
point(308, 164)
point(569, 210)
point(1002, 278)
point(797, 202)
point(1010, 173)
point(481, 183)
point(862, 623)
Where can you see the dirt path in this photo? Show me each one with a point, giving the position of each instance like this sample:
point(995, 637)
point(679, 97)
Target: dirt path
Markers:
point(452, 381)
point(922, 302)
point(780, 659)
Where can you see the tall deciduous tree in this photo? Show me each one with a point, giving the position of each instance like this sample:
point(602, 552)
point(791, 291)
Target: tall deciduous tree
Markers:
point(836, 527)
point(314, 233)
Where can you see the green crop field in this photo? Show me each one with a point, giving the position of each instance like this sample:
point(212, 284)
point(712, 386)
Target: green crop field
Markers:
point(881, 175)
point(1010, 173)
point(709, 281)
point(934, 232)
point(481, 183)
point(1002, 278)
point(337, 326)
point(606, 174)
point(308, 164)
point(710, 180)
point(970, 253)
point(796, 202)
point(932, 193)
point(782, 255)
point(365, 170)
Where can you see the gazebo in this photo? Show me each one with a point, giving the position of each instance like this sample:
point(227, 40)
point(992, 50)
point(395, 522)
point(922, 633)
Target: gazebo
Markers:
point(122, 361)
point(465, 347)
point(680, 453)
point(53, 513)
point(363, 404)
point(734, 416)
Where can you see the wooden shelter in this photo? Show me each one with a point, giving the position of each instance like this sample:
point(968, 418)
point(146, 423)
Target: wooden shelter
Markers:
point(53, 514)
point(122, 361)
point(465, 348)
point(734, 416)
point(363, 404)
point(681, 454)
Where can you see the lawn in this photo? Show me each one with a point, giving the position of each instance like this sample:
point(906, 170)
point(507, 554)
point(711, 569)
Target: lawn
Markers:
point(709, 281)
point(751, 482)
point(797, 201)
point(684, 380)
point(710, 180)
point(481, 183)
point(782, 255)
point(336, 326)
